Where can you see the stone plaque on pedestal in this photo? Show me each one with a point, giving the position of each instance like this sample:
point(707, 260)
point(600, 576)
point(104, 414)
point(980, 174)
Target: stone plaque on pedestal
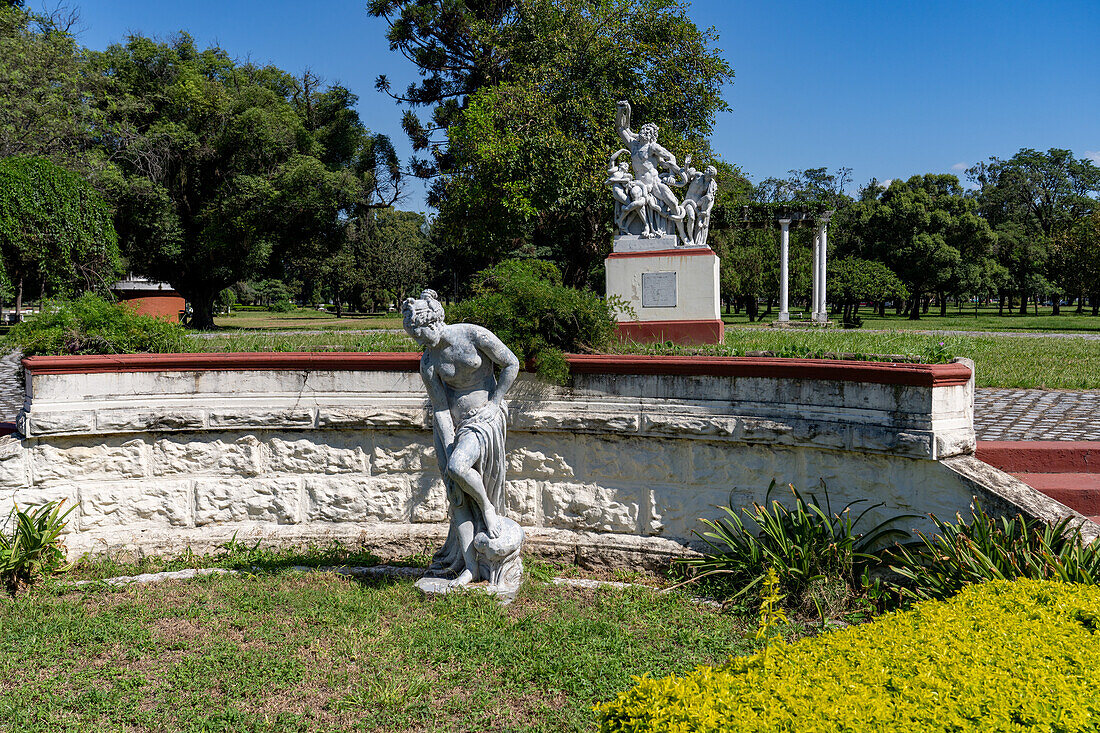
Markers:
point(658, 289)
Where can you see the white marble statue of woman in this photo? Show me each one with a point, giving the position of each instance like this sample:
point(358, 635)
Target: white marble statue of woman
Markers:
point(459, 369)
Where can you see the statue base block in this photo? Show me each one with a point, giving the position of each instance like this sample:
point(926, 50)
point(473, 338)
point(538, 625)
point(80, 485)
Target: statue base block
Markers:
point(638, 243)
point(672, 295)
point(440, 586)
point(499, 565)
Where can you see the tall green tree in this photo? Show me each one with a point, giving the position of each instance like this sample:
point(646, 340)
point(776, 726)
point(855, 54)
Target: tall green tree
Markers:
point(1030, 200)
point(926, 231)
point(522, 97)
point(56, 235)
point(44, 90)
point(220, 166)
point(853, 281)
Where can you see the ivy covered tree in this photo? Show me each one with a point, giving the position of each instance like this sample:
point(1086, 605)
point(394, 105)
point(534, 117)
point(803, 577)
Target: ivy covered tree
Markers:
point(522, 97)
point(56, 233)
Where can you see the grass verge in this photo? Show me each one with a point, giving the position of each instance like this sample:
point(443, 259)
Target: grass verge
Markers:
point(985, 318)
point(306, 319)
point(1000, 361)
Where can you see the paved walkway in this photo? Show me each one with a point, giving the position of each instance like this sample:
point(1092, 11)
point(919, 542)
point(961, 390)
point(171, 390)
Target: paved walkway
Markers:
point(999, 414)
point(1036, 414)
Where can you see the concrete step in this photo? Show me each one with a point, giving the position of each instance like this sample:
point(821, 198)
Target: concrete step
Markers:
point(1079, 491)
point(1067, 471)
point(1041, 456)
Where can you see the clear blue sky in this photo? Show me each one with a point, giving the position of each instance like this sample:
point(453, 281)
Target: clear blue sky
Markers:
point(887, 88)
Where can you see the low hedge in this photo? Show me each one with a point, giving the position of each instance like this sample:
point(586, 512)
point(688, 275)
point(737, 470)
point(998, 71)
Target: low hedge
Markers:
point(1001, 656)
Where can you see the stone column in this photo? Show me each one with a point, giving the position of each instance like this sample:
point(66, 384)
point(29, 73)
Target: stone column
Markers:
point(821, 241)
point(815, 313)
point(784, 251)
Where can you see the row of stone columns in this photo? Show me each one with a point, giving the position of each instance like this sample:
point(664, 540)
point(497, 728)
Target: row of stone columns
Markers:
point(820, 311)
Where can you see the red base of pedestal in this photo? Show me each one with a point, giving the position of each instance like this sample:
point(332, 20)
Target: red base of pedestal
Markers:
point(688, 333)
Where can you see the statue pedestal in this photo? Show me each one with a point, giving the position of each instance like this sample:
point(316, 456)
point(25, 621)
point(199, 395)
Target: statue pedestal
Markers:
point(673, 291)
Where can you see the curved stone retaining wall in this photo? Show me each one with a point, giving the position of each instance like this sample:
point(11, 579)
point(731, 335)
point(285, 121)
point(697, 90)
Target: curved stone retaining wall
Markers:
point(161, 451)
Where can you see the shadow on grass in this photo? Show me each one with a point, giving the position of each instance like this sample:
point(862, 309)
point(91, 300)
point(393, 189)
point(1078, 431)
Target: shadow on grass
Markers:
point(252, 557)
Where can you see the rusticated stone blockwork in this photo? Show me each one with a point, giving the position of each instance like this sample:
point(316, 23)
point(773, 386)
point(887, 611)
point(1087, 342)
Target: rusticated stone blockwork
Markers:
point(160, 452)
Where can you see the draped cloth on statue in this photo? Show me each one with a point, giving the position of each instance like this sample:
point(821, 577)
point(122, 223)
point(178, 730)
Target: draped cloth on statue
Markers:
point(490, 433)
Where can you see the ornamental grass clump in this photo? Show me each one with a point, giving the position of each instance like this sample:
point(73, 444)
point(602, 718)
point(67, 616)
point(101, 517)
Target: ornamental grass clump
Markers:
point(988, 548)
point(822, 558)
point(1000, 656)
point(30, 544)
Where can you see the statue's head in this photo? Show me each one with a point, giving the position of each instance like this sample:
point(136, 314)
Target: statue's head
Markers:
point(711, 172)
point(423, 318)
point(648, 132)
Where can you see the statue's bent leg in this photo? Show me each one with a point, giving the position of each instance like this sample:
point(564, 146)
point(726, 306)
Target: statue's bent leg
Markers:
point(460, 468)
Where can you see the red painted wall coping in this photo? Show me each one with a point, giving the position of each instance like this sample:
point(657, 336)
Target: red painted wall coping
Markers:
point(1041, 456)
point(918, 375)
point(680, 332)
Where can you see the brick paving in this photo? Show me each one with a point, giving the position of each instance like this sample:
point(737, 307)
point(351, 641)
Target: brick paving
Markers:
point(1036, 414)
point(999, 414)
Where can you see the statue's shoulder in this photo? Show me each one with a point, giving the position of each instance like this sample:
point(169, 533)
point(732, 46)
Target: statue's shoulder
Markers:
point(471, 330)
point(427, 365)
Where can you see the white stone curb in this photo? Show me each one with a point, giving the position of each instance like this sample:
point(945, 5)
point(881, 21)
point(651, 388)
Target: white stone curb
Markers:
point(154, 577)
point(375, 571)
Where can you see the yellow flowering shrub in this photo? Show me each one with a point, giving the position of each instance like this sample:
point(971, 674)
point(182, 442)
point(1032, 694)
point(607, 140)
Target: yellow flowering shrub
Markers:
point(1001, 656)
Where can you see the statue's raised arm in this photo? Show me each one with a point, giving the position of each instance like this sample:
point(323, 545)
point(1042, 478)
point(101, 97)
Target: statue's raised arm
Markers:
point(622, 122)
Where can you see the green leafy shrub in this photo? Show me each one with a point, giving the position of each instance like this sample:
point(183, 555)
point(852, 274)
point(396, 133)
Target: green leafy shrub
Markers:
point(987, 548)
point(821, 557)
point(1002, 656)
point(281, 306)
point(34, 547)
point(91, 325)
point(526, 305)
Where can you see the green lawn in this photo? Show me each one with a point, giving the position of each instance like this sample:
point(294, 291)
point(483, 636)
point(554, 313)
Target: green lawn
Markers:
point(965, 319)
point(307, 319)
point(290, 651)
point(1000, 361)
point(328, 340)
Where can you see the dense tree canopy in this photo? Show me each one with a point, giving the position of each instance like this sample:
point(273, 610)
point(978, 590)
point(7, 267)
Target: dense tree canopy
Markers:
point(924, 229)
point(224, 170)
point(1032, 200)
point(43, 88)
point(522, 96)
